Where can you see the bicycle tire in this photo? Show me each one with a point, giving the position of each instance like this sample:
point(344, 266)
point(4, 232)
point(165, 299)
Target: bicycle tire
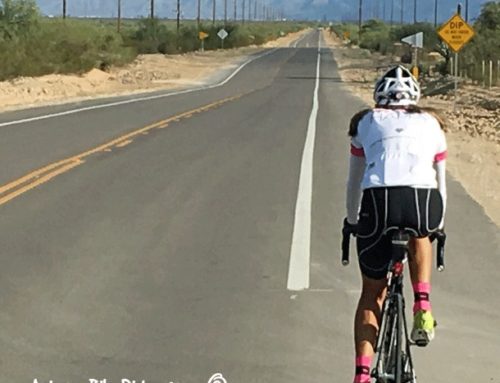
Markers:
point(399, 373)
point(386, 345)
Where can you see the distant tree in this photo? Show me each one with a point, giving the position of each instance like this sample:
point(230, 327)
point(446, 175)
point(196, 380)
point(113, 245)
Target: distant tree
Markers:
point(17, 18)
point(489, 17)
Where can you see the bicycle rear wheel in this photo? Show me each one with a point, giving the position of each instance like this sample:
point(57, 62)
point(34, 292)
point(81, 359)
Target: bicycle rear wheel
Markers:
point(404, 372)
point(394, 363)
point(385, 370)
point(399, 356)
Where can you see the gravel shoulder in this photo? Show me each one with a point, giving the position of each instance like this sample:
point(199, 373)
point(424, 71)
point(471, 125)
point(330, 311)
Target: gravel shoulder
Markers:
point(473, 129)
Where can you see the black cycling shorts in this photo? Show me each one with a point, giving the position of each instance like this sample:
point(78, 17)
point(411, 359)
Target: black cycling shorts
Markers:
point(385, 209)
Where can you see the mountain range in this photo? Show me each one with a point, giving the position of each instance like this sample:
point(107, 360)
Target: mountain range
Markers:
point(334, 10)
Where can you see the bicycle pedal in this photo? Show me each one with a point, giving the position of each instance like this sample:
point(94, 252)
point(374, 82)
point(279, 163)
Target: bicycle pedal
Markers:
point(422, 343)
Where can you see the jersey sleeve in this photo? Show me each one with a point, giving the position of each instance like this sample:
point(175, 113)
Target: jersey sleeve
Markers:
point(356, 148)
point(441, 146)
point(353, 191)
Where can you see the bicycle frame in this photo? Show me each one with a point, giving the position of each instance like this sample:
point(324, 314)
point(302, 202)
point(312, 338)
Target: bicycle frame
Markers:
point(394, 362)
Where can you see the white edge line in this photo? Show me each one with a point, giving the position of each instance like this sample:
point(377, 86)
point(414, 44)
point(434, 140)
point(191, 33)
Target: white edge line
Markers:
point(300, 252)
point(134, 100)
point(295, 45)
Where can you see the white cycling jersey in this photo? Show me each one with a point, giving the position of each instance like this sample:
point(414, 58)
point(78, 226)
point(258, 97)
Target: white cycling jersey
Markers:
point(394, 147)
point(400, 148)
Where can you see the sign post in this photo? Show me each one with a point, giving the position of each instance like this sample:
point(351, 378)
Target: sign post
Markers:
point(202, 36)
point(222, 35)
point(456, 33)
point(415, 41)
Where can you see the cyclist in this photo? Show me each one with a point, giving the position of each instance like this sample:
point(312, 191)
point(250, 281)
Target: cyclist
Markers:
point(396, 179)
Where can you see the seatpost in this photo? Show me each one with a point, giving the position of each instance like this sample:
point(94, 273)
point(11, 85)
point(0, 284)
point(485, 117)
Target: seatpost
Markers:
point(400, 242)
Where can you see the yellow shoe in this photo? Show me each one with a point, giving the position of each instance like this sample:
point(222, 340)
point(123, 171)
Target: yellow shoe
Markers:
point(423, 328)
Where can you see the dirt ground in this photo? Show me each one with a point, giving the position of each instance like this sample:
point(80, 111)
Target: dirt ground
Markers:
point(473, 129)
point(146, 73)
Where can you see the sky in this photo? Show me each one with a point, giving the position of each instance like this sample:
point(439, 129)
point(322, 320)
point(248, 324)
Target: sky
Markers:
point(297, 9)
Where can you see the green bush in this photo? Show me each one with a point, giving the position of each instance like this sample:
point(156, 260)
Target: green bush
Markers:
point(31, 45)
point(484, 46)
point(375, 36)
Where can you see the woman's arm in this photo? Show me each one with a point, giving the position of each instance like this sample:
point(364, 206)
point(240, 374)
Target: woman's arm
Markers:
point(440, 167)
point(353, 193)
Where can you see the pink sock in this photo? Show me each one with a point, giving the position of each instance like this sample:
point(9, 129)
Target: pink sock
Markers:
point(363, 364)
point(422, 291)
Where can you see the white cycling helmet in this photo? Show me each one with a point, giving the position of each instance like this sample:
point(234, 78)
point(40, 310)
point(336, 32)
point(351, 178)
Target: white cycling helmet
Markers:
point(397, 87)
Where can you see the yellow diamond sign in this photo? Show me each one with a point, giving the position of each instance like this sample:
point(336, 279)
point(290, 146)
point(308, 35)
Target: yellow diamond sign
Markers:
point(456, 33)
point(203, 35)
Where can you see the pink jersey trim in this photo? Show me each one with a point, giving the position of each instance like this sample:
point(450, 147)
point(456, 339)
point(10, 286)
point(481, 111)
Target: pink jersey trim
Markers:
point(358, 152)
point(441, 156)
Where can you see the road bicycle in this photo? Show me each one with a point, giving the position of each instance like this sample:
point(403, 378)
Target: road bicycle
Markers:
point(394, 361)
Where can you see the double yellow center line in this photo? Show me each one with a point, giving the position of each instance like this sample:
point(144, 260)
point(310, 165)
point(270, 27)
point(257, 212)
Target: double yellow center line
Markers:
point(38, 177)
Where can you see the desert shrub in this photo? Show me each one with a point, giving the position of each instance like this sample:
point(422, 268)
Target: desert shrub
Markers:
point(31, 45)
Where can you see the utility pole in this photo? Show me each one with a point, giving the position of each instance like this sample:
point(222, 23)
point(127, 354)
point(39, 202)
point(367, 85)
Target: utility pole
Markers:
point(214, 5)
point(198, 17)
point(459, 12)
point(178, 16)
point(249, 10)
point(435, 13)
point(243, 12)
point(392, 13)
point(118, 26)
point(235, 10)
point(414, 11)
point(64, 9)
point(225, 12)
point(360, 20)
point(255, 10)
point(467, 10)
point(402, 11)
point(152, 9)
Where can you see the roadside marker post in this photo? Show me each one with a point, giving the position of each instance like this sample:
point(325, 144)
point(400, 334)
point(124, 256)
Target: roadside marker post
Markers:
point(415, 41)
point(202, 36)
point(222, 35)
point(456, 33)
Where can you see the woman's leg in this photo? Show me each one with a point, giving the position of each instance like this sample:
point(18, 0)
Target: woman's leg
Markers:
point(366, 325)
point(420, 261)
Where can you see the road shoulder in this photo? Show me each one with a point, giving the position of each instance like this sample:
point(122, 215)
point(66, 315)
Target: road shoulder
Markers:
point(473, 138)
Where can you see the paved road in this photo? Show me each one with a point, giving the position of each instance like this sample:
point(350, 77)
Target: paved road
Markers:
point(164, 255)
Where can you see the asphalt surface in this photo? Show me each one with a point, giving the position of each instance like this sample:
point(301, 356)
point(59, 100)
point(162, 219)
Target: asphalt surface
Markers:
point(165, 258)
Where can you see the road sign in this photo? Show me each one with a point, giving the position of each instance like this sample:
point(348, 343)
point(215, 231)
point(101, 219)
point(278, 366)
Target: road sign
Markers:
point(416, 40)
point(222, 34)
point(456, 33)
point(203, 35)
